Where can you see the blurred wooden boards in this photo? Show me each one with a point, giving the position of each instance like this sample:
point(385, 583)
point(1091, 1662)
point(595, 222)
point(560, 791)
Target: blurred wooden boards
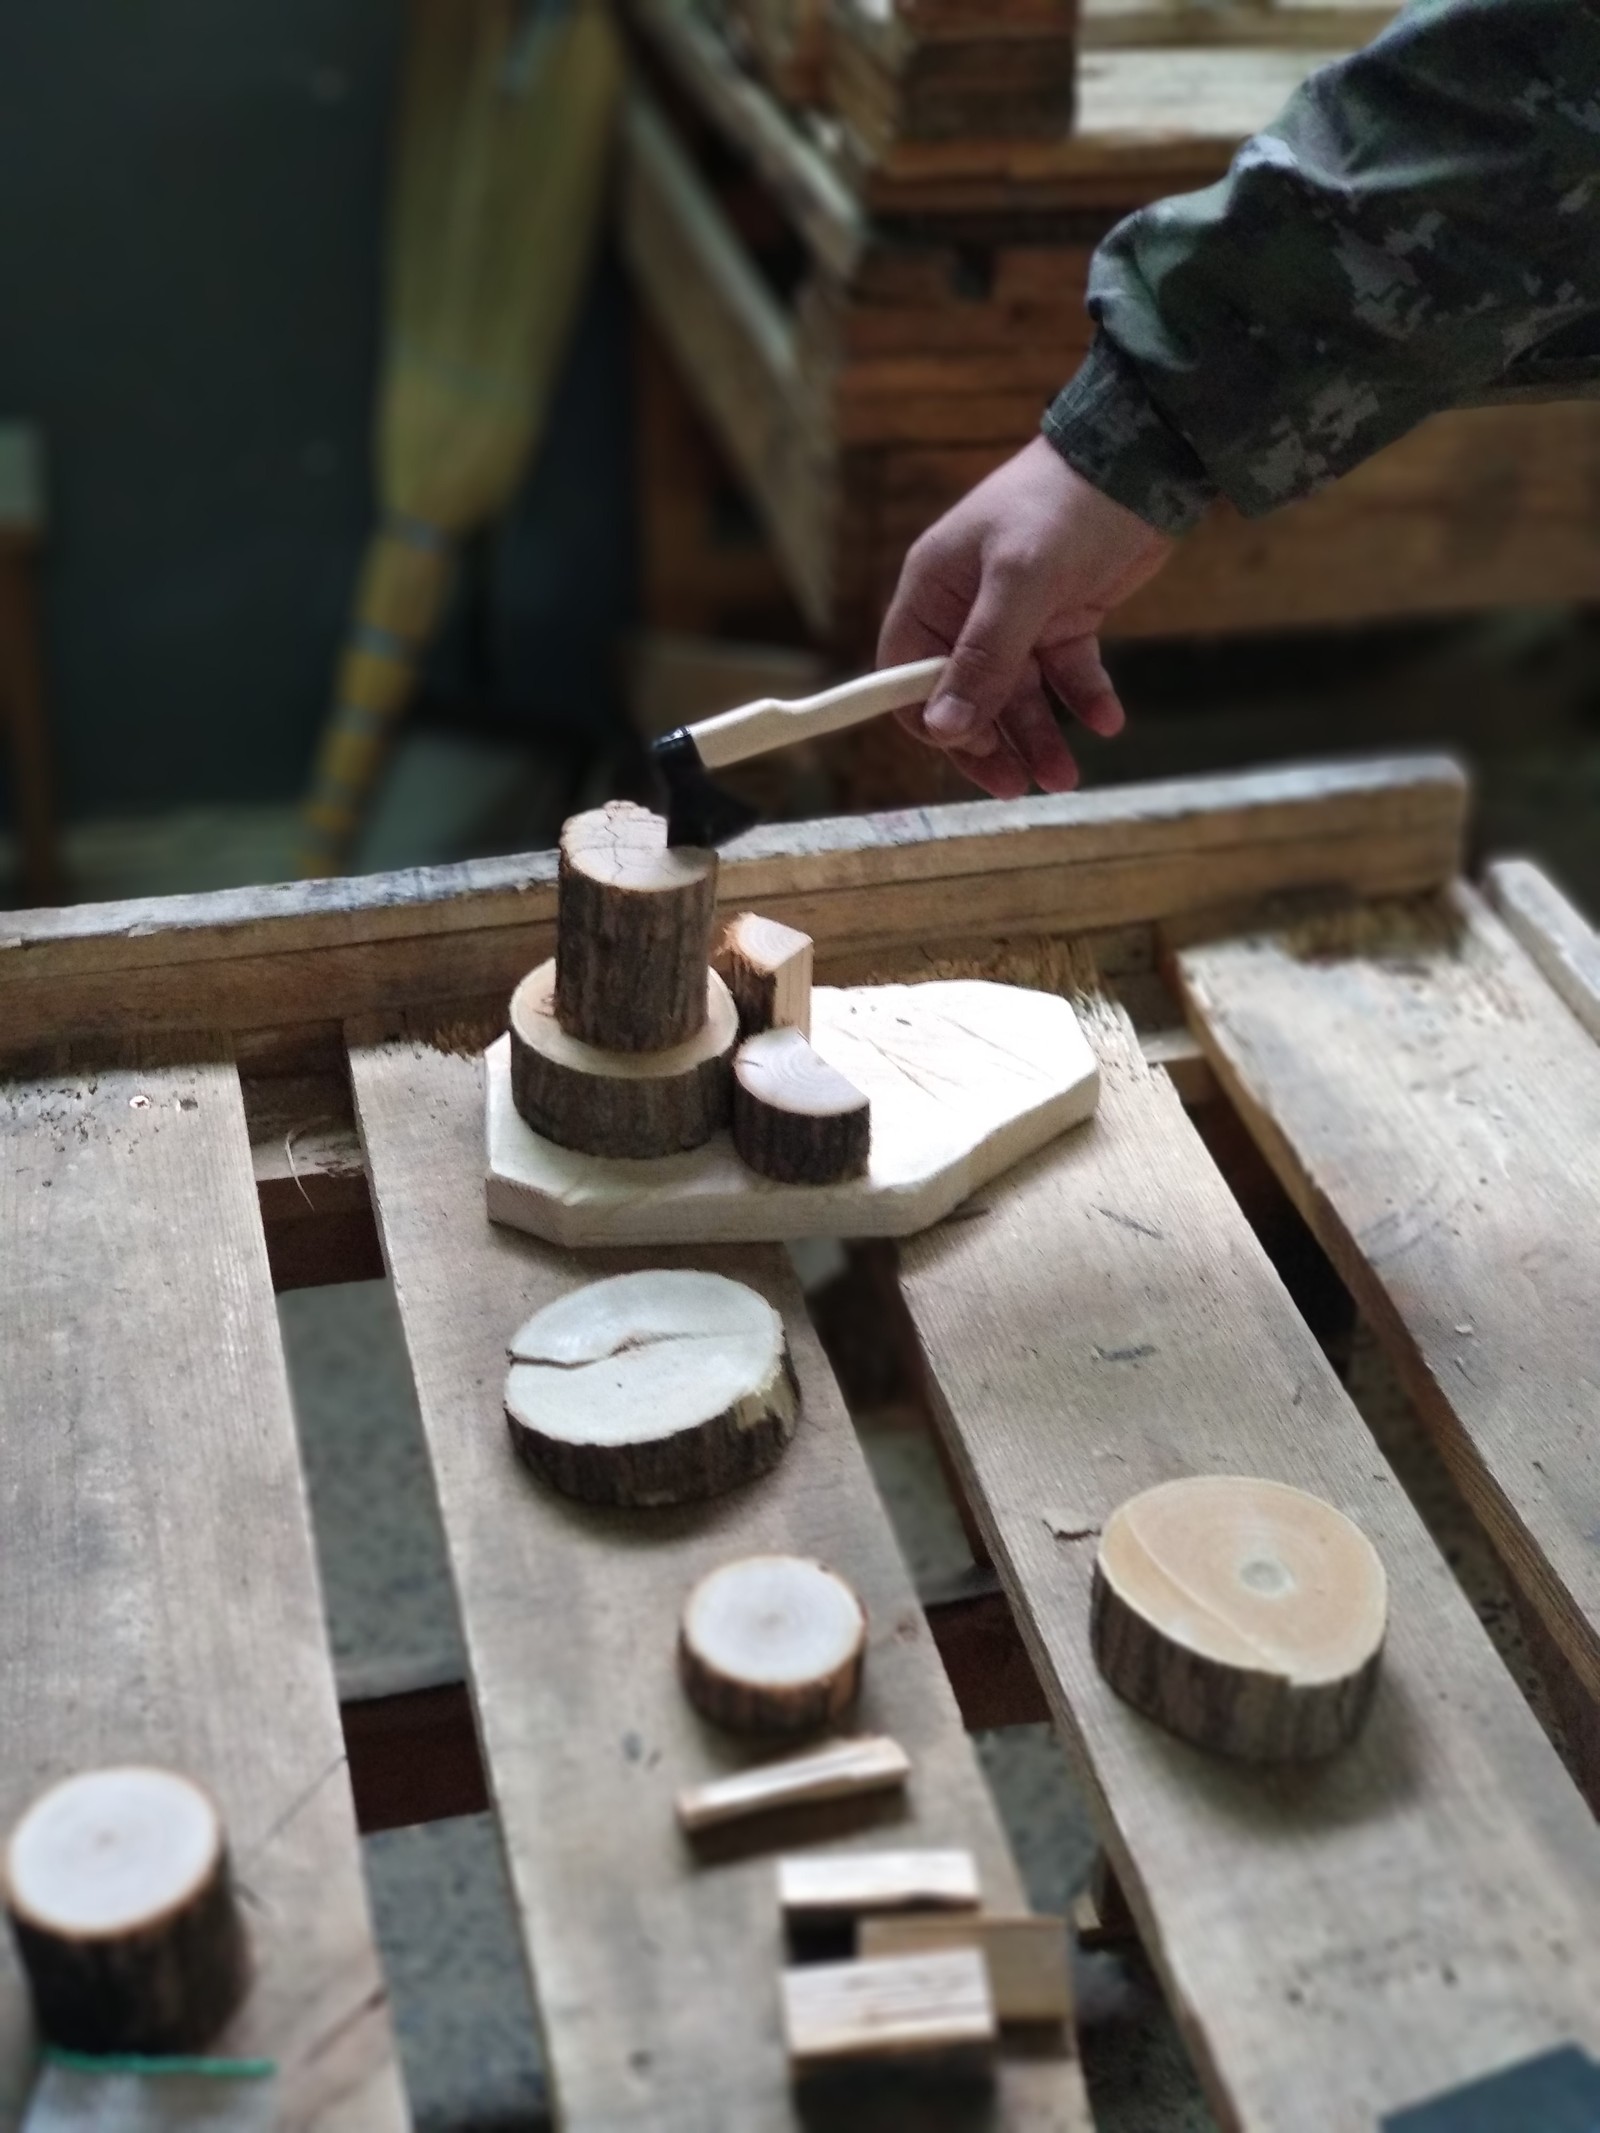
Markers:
point(656, 1976)
point(157, 1576)
point(1419, 1884)
point(1434, 1110)
point(869, 329)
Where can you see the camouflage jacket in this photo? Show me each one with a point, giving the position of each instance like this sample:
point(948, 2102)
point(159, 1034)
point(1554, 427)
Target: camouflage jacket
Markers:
point(1421, 216)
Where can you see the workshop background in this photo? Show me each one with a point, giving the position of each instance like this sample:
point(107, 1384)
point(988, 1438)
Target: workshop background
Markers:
point(194, 196)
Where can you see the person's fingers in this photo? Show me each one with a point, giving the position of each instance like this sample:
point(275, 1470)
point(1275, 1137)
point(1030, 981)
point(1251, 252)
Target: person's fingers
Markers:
point(987, 663)
point(1030, 725)
point(1074, 670)
point(1001, 772)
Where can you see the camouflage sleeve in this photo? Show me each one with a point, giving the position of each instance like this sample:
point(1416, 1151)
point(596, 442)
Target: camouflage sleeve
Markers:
point(1421, 214)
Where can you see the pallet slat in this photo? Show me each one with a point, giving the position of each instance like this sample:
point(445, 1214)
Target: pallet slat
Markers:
point(1422, 1909)
point(1434, 1110)
point(264, 959)
point(1553, 931)
point(156, 1577)
point(657, 1978)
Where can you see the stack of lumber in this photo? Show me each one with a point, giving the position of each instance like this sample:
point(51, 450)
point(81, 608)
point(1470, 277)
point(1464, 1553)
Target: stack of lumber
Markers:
point(872, 292)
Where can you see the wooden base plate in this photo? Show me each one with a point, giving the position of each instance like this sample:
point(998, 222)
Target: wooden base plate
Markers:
point(966, 1078)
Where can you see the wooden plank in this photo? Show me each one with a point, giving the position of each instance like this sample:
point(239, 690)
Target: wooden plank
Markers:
point(257, 960)
point(1331, 24)
point(1434, 1111)
point(1368, 1932)
point(1553, 931)
point(656, 1976)
point(157, 1578)
point(1026, 1956)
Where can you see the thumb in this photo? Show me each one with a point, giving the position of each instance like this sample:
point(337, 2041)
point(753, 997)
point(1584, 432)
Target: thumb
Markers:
point(986, 666)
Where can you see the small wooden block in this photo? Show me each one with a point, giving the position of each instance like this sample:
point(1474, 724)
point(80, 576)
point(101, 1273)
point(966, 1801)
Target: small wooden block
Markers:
point(898, 2007)
point(1029, 1976)
point(847, 1767)
point(767, 968)
point(814, 1886)
point(1243, 1615)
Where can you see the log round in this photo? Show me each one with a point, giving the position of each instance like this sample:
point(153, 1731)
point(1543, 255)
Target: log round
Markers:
point(1243, 1615)
point(772, 1644)
point(633, 931)
point(620, 1103)
point(120, 1900)
point(795, 1118)
point(652, 1388)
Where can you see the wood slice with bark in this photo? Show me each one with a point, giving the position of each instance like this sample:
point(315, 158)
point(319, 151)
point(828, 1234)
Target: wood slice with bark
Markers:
point(767, 968)
point(652, 1388)
point(620, 1103)
point(120, 1900)
point(633, 931)
point(1243, 1615)
point(795, 1118)
point(772, 1644)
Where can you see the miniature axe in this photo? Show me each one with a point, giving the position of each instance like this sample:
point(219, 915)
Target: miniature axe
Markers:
point(700, 812)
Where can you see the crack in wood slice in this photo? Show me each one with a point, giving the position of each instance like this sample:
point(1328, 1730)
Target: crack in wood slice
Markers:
point(1243, 1615)
point(772, 1644)
point(897, 2007)
point(767, 968)
point(796, 1118)
point(629, 1104)
point(841, 1771)
point(633, 931)
point(653, 1388)
point(120, 1898)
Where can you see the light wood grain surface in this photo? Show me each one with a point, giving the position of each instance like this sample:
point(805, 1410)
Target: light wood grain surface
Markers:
point(1434, 1109)
point(1552, 930)
point(1417, 1911)
point(156, 1574)
point(655, 1969)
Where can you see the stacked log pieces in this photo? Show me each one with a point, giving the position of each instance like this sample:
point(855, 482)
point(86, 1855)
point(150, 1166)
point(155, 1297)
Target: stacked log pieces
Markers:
point(621, 1045)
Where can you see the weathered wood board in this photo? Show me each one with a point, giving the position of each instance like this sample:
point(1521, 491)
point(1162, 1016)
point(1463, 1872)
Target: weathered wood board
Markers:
point(1553, 931)
point(1367, 1932)
point(656, 1976)
point(314, 952)
point(1434, 1110)
point(156, 1575)
point(965, 1079)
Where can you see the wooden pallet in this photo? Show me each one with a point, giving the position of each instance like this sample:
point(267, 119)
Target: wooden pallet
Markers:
point(1421, 1911)
point(865, 346)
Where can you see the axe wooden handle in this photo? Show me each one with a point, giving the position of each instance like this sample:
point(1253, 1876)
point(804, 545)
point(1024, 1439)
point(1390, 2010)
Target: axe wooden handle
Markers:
point(771, 723)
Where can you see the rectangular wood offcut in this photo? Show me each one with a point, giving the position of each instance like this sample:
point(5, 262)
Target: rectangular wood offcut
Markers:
point(207, 1096)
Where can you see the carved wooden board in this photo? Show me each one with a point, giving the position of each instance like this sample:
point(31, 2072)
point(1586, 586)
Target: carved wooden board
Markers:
point(966, 1078)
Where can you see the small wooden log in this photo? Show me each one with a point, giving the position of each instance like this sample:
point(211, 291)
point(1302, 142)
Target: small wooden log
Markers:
point(118, 1890)
point(772, 1644)
point(652, 1388)
point(633, 931)
point(898, 2007)
point(795, 1118)
point(767, 968)
point(1243, 1615)
point(619, 1103)
point(837, 1772)
point(1026, 1955)
point(828, 1888)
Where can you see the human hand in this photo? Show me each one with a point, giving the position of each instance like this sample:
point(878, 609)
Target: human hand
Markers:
point(1013, 583)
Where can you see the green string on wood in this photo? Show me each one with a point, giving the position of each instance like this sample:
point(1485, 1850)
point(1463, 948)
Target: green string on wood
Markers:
point(137, 2063)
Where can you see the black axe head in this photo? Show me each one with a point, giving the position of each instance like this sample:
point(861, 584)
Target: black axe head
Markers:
point(698, 810)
